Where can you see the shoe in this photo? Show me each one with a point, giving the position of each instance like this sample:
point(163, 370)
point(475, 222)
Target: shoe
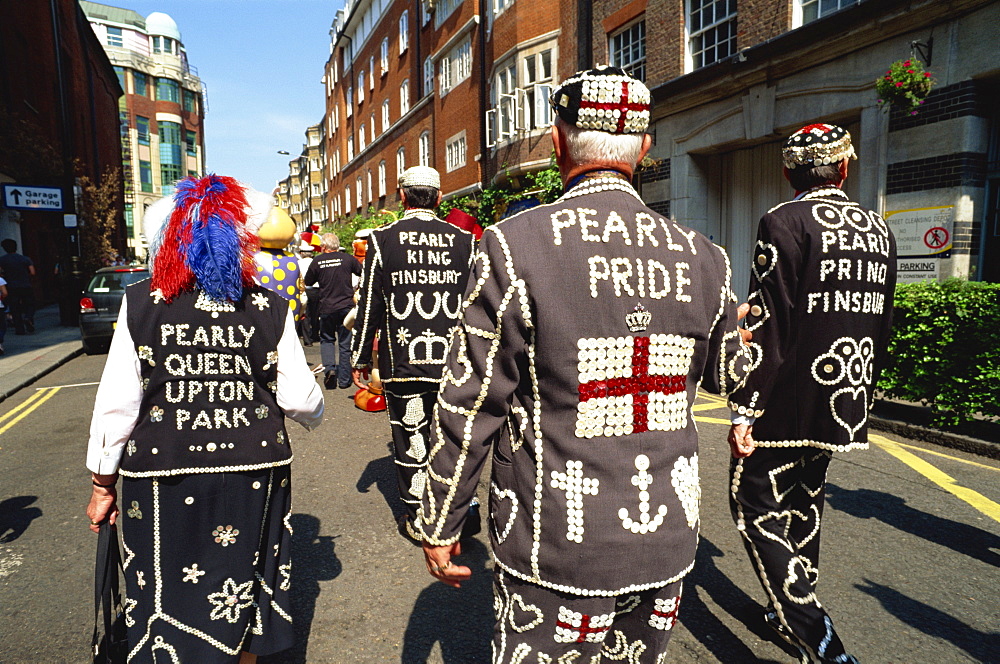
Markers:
point(329, 380)
point(308, 343)
point(344, 387)
point(29, 326)
point(772, 621)
point(473, 521)
point(406, 530)
point(318, 369)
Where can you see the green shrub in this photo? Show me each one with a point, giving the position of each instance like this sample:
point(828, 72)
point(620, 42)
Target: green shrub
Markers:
point(945, 349)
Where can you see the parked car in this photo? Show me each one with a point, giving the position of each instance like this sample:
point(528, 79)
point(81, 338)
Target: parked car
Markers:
point(101, 302)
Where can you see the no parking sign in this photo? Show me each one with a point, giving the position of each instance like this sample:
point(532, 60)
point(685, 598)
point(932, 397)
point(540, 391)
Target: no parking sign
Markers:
point(922, 232)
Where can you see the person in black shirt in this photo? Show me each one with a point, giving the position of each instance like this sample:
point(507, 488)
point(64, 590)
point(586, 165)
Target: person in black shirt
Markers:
point(18, 270)
point(338, 275)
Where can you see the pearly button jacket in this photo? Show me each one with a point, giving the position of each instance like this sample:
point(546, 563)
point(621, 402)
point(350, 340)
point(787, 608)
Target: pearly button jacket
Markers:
point(412, 284)
point(589, 325)
point(209, 373)
point(822, 281)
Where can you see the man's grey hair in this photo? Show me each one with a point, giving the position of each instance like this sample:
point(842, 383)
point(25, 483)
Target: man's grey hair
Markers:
point(330, 242)
point(588, 145)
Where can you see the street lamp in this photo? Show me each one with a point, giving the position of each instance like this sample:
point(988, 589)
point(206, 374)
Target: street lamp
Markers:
point(284, 152)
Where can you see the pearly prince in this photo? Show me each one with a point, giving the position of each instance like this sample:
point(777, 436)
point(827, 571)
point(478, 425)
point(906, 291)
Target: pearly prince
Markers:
point(821, 292)
point(412, 283)
point(588, 327)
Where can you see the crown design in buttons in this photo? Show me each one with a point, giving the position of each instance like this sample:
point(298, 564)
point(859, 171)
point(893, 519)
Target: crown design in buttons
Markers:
point(638, 320)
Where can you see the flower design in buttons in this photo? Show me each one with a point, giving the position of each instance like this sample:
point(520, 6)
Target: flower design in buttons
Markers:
point(225, 535)
point(273, 386)
point(130, 447)
point(146, 353)
point(260, 301)
point(155, 414)
point(261, 412)
point(192, 573)
point(134, 512)
point(281, 437)
point(231, 600)
point(272, 358)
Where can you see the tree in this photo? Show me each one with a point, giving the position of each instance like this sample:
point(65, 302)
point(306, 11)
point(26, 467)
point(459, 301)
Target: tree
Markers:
point(98, 213)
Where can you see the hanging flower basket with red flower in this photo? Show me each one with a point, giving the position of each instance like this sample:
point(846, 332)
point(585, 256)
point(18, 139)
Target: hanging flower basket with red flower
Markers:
point(905, 85)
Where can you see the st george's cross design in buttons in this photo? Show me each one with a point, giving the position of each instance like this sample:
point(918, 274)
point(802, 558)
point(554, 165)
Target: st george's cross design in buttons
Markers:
point(632, 384)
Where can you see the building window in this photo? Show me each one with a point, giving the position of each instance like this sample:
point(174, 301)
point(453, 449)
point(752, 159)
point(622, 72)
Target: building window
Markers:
point(167, 89)
point(456, 66)
point(350, 101)
point(455, 152)
point(361, 138)
point(163, 45)
point(444, 9)
point(361, 87)
point(810, 10)
point(191, 142)
point(145, 176)
point(369, 181)
point(336, 116)
point(400, 162)
point(115, 36)
point(538, 87)
point(157, 44)
point(350, 148)
point(499, 6)
point(424, 149)
point(711, 31)
point(384, 57)
point(315, 190)
point(385, 116)
point(404, 31)
point(371, 73)
point(347, 198)
point(371, 128)
point(428, 76)
point(139, 84)
point(505, 101)
point(381, 179)
point(190, 101)
point(359, 194)
point(628, 49)
point(142, 130)
point(120, 72)
point(404, 97)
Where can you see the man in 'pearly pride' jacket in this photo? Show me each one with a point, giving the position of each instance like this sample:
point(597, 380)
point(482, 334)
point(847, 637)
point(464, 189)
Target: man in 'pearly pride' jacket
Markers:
point(821, 293)
point(414, 277)
point(588, 326)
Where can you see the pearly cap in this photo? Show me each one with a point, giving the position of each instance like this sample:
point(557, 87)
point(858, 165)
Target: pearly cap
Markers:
point(420, 176)
point(817, 145)
point(603, 99)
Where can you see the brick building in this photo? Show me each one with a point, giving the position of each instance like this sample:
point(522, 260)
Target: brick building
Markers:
point(58, 121)
point(162, 112)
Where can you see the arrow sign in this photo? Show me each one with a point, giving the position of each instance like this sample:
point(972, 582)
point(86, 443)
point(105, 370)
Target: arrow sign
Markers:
point(20, 197)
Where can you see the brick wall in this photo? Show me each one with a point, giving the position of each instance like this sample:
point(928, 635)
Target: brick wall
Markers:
point(662, 207)
point(760, 20)
point(952, 101)
point(659, 171)
point(962, 169)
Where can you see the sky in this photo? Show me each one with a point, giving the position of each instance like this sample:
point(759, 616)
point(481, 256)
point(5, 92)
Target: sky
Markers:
point(262, 63)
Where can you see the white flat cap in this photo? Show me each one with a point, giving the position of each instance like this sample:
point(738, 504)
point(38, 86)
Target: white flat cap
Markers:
point(420, 176)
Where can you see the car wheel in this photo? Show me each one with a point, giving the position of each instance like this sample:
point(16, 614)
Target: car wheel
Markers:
point(91, 348)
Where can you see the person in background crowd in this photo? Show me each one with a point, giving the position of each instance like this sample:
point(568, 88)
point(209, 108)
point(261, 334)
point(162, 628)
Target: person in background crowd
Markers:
point(18, 270)
point(415, 274)
point(338, 276)
point(204, 367)
point(3, 311)
point(589, 326)
point(310, 293)
point(821, 289)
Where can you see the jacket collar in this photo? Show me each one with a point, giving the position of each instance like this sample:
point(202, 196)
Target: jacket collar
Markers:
point(419, 213)
point(826, 191)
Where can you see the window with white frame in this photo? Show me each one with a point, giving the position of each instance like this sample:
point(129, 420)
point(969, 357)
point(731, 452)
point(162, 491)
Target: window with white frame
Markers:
point(315, 190)
point(369, 180)
point(371, 128)
point(361, 138)
point(336, 116)
point(404, 97)
point(400, 162)
point(443, 9)
point(711, 31)
point(329, 123)
point(424, 149)
point(504, 101)
point(381, 179)
point(425, 12)
point(114, 36)
point(805, 11)
point(404, 31)
point(350, 148)
point(428, 75)
point(537, 69)
point(385, 116)
point(361, 87)
point(371, 73)
point(500, 6)
point(350, 101)
point(347, 198)
point(627, 49)
point(455, 150)
point(359, 196)
point(455, 66)
point(384, 56)
point(336, 161)
point(314, 164)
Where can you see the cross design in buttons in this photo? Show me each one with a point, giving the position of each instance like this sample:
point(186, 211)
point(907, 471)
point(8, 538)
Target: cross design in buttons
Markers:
point(576, 486)
point(645, 523)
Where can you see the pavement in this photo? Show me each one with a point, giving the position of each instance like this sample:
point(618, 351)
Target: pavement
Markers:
point(28, 357)
point(31, 356)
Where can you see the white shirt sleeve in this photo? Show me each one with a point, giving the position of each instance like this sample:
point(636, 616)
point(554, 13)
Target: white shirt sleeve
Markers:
point(736, 418)
point(298, 393)
point(116, 408)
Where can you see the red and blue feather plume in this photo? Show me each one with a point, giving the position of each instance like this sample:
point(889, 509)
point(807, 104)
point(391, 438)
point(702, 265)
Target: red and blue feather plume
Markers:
point(205, 242)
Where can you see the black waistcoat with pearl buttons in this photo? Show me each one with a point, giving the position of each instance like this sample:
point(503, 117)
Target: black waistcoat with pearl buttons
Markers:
point(209, 377)
point(822, 280)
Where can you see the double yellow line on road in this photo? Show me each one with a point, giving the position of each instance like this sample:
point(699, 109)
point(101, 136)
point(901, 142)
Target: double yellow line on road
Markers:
point(9, 419)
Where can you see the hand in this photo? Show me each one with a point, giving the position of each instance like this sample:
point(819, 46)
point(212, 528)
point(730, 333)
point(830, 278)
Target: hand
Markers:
point(359, 375)
point(741, 442)
point(741, 313)
point(103, 505)
point(439, 564)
